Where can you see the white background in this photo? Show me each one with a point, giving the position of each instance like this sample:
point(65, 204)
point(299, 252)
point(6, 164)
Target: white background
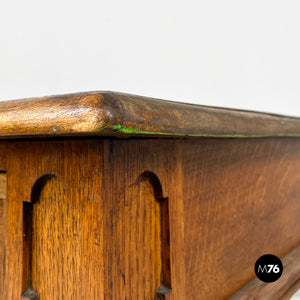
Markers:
point(241, 54)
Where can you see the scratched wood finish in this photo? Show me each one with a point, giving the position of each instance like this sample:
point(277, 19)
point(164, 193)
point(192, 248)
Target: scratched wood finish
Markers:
point(282, 289)
point(123, 115)
point(98, 228)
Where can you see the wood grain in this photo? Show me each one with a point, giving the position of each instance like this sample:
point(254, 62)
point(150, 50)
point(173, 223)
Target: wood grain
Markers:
point(241, 200)
point(67, 247)
point(3, 156)
point(111, 216)
point(2, 229)
point(282, 289)
point(136, 258)
point(102, 229)
point(123, 115)
point(62, 247)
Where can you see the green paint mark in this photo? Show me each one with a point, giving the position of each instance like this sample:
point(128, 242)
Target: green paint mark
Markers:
point(117, 126)
point(136, 130)
point(132, 130)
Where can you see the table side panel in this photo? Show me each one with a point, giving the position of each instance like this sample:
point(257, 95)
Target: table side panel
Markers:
point(230, 201)
point(241, 200)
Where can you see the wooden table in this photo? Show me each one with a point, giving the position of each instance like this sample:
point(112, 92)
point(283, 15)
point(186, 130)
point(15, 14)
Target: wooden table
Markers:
point(113, 196)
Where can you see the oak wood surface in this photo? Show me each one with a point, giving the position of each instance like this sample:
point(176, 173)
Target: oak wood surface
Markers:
point(124, 115)
point(3, 184)
point(122, 169)
point(241, 200)
point(100, 227)
point(3, 155)
point(2, 227)
point(67, 248)
point(238, 200)
point(103, 217)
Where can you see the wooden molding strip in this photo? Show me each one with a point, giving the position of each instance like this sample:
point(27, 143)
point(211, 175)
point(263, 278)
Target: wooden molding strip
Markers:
point(123, 115)
point(283, 288)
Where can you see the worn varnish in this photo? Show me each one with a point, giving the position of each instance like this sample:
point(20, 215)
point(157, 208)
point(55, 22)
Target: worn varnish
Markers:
point(123, 214)
point(123, 115)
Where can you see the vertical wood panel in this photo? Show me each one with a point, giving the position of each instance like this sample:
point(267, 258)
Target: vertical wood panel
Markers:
point(128, 217)
point(71, 205)
point(56, 245)
point(133, 244)
point(2, 229)
point(14, 283)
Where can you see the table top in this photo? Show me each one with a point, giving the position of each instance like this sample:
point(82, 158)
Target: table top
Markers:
point(122, 115)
